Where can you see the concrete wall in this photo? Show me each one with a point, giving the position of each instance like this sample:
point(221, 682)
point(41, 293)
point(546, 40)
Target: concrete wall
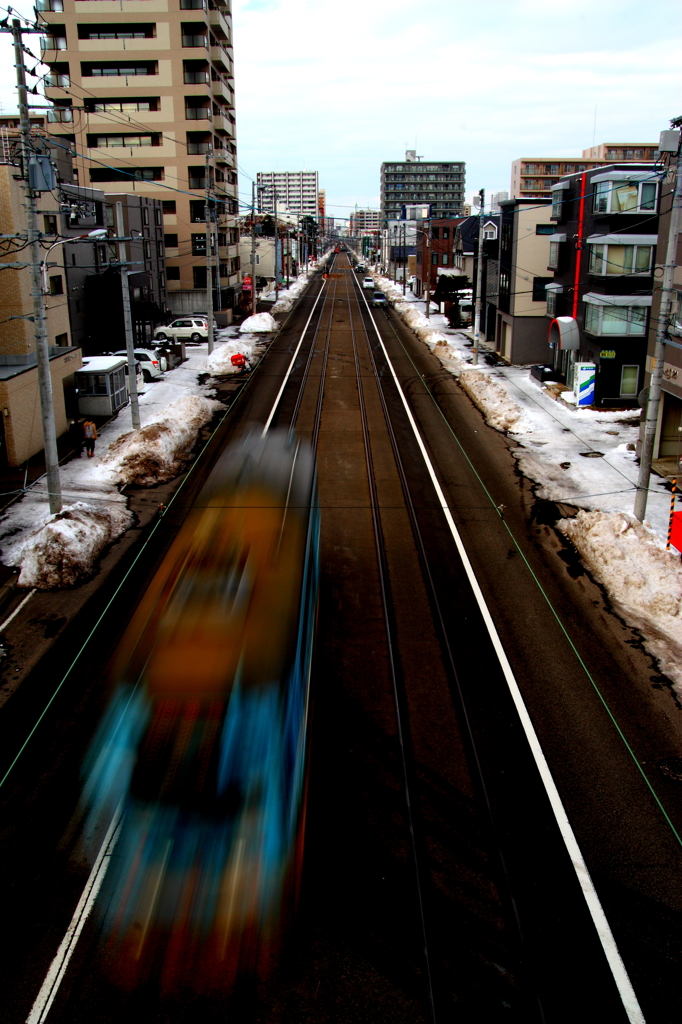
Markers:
point(20, 406)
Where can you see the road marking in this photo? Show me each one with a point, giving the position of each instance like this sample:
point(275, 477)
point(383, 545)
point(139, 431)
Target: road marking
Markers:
point(291, 365)
point(16, 610)
point(608, 942)
point(55, 975)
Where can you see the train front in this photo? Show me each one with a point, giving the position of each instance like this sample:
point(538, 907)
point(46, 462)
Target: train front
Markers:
point(204, 747)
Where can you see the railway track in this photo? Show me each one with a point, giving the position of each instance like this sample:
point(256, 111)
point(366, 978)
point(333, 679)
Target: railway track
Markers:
point(438, 884)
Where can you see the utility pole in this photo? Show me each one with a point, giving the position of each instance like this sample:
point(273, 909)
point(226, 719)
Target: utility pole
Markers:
point(479, 279)
point(276, 248)
point(404, 256)
point(209, 247)
point(428, 269)
point(253, 247)
point(664, 319)
point(127, 319)
point(39, 318)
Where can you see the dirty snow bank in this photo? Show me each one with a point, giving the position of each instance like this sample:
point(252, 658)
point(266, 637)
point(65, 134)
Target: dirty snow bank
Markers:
point(642, 579)
point(219, 361)
point(500, 411)
point(259, 323)
point(420, 324)
point(65, 549)
point(158, 451)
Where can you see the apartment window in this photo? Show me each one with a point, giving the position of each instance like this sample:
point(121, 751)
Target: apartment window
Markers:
point(55, 40)
point(157, 216)
point(170, 241)
point(192, 5)
point(147, 250)
point(554, 252)
point(122, 69)
point(197, 108)
point(539, 286)
point(620, 259)
point(199, 274)
point(62, 340)
point(173, 273)
point(56, 285)
point(544, 229)
point(434, 259)
point(444, 259)
point(603, 319)
point(551, 295)
point(629, 378)
point(168, 205)
point(122, 106)
point(61, 113)
point(195, 72)
point(625, 197)
point(120, 141)
point(145, 215)
point(59, 76)
point(199, 245)
point(131, 31)
point(194, 34)
point(139, 173)
point(198, 143)
point(197, 177)
point(197, 214)
point(50, 224)
point(446, 233)
point(435, 232)
point(505, 283)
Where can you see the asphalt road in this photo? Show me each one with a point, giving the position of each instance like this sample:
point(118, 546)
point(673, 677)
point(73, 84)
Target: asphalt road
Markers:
point(460, 903)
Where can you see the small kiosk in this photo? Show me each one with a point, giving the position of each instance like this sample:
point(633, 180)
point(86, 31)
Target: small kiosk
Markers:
point(101, 386)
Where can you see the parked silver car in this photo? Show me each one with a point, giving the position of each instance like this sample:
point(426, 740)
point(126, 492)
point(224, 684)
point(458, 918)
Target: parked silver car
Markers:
point(186, 328)
point(149, 359)
point(368, 282)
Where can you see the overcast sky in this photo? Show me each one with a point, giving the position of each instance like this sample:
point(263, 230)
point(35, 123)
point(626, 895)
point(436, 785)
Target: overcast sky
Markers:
point(338, 88)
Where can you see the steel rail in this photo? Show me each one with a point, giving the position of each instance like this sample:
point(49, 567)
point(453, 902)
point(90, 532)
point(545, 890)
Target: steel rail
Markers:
point(399, 697)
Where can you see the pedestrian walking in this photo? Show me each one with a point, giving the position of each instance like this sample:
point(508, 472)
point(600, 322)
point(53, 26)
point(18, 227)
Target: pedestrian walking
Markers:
point(89, 437)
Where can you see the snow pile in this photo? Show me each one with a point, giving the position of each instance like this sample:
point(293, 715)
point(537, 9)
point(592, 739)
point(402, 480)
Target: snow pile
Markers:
point(220, 360)
point(288, 297)
point(259, 323)
point(158, 451)
point(65, 549)
point(643, 581)
point(452, 358)
point(499, 409)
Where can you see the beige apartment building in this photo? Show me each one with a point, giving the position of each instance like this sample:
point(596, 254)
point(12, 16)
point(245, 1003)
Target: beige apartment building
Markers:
point(21, 433)
point(142, 89)
point(533, 176)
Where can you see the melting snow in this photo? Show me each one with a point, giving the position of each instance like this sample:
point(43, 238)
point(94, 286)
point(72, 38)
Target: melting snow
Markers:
point(65, 549)
point(643, 580)
point(259, 323)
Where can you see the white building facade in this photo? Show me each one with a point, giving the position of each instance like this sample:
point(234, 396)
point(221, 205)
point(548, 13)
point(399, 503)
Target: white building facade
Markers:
point(296, 190)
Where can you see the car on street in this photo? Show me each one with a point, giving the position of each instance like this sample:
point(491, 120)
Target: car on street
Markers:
point(379, 299)
point(360, 269)
point(368, 282)
point(149, 360)
point(186, 328)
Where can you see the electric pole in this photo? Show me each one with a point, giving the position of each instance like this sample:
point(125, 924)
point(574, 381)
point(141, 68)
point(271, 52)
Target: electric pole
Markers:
point(428, 269)
point(54, 489)
point(479, 279)
point(276, 247)
point(664, 318)
point(253, 247)
point(208, 213)
point(127, 320)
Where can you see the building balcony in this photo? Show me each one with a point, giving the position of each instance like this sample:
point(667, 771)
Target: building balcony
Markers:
point(222, 124)
point(221, 58)
point(224, 159)
point(220, 25)
point(222, 91)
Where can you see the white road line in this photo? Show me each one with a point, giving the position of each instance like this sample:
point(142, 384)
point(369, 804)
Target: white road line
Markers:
point(55, 975)
point(291, 365)
point(16, 611)
point(620, 975)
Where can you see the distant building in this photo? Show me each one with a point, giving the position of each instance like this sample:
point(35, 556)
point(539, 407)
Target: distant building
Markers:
point(533, 177)
point(495, 200)
point(364, 222)
point(440, 184)
point(298, 191)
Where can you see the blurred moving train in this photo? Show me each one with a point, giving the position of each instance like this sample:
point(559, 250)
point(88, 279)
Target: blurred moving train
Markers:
point(204, 745)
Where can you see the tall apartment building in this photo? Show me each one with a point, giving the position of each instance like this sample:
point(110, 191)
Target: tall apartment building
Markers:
point(533, 177)
point(440, 184)
point(298, 191)
point(364, 222)
point(495, 200)
point(141, 91)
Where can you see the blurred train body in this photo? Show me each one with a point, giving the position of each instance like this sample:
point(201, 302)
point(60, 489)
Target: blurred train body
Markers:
point(204, 746)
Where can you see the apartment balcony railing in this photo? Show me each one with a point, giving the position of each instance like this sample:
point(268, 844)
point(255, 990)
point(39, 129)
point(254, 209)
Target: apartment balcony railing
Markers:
point(58, 81)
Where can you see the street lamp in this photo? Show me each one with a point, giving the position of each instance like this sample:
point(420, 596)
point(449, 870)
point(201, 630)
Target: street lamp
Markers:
point(97, 235)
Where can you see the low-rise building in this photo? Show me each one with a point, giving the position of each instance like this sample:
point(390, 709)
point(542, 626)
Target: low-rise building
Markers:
point(602, 257)
point(522, 276)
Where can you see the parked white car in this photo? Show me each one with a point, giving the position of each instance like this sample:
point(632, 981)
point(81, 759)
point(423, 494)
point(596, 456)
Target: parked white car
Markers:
point(186, 328)
point(368, 282)
point(149, 359)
